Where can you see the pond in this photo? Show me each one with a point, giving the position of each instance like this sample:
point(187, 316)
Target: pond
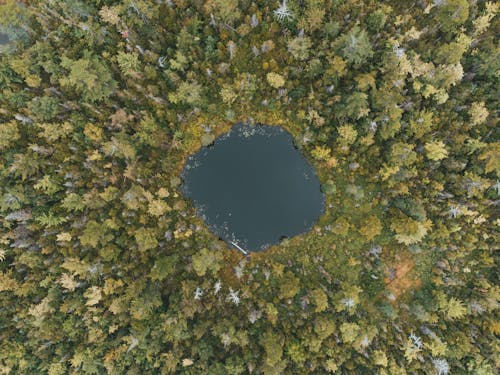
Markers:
point(253, 187)
point(4, 39)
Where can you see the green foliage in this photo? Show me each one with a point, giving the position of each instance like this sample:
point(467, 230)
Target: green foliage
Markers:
point(371, 227)
point(356, 106)
point(73, 202)
point(89, 77)
point(320, 299)
point(45, 107)
point(478, 113)
point(355, 46)
point(206, 260)
point(300, 47)
point(146, 240)
point(226, 10)
point(290, 285)
point(128, 62)
point(105, 268)
point(321, 153)
point(187, 92)
point(402, 154)
point(9, 134)
point(164, 267)
point(347, 135)
point(273, 346)
point(410, 207)
point(50, 219)
point(436, 150)
point(275, 80)
point(95, 234)
point(349, 332)
point(409, 231)
point(492, 157)
point(451, 13)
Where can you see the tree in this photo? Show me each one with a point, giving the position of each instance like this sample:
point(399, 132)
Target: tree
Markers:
point(347, 135)
point(350, 332)
point(402, 154)
point(45, 108)
point(409, 231)
point(451, 53)
point(290, 285)
point(371, 227)
point(95, 234)
point(188, 93)
point(450, 14)
point(320, 299)
point(436, 150)
point(89, 77)
point(478, 113)
point(314, 16)
point(356, 106)
point(300, 47)
point(273, 346)
point(275, 80)
point(9, 134)
point(321, 153)
point(110, 15)
point(14, 19)
point(128, 62)
point(225, 10)
point(492, 156)
point(355, 46)
point(206, 260)
point(146, 239)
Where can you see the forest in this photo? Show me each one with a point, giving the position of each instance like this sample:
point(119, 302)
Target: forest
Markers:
point(105, 268)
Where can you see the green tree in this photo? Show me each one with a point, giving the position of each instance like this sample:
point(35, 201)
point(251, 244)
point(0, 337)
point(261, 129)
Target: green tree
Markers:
point(290, 285)
point(492, 156)
point(95, 234)
point(409, 231)
point(355, 46)
point(9, 134)
point(402, 154)
point(347, 135)
point(273, 346)
point(371, 227)
point(436, 150)
point(300, 47)
point(320, 299)
point(356, 105)
point(89, 76)
point(450, 14)
point(146, 239)
point(206, 260)
point(45, 108)
point(188, 93)
point(478, 113)
point(349, 331)
point(128, 62)
point(225, 10)
point(275, 80)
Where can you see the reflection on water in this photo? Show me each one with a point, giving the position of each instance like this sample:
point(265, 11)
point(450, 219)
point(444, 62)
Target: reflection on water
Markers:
point(253, 187)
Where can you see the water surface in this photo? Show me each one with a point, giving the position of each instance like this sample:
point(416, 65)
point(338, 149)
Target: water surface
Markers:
point(4, 39)
point(252, 187)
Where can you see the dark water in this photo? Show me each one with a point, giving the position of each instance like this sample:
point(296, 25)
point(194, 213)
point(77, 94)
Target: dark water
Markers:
point(4, 39)
point(253, 187)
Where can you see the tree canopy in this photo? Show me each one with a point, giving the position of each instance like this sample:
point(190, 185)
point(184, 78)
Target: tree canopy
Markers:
point(105, 268)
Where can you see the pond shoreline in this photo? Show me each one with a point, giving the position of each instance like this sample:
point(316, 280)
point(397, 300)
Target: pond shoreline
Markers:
point(292, 181)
